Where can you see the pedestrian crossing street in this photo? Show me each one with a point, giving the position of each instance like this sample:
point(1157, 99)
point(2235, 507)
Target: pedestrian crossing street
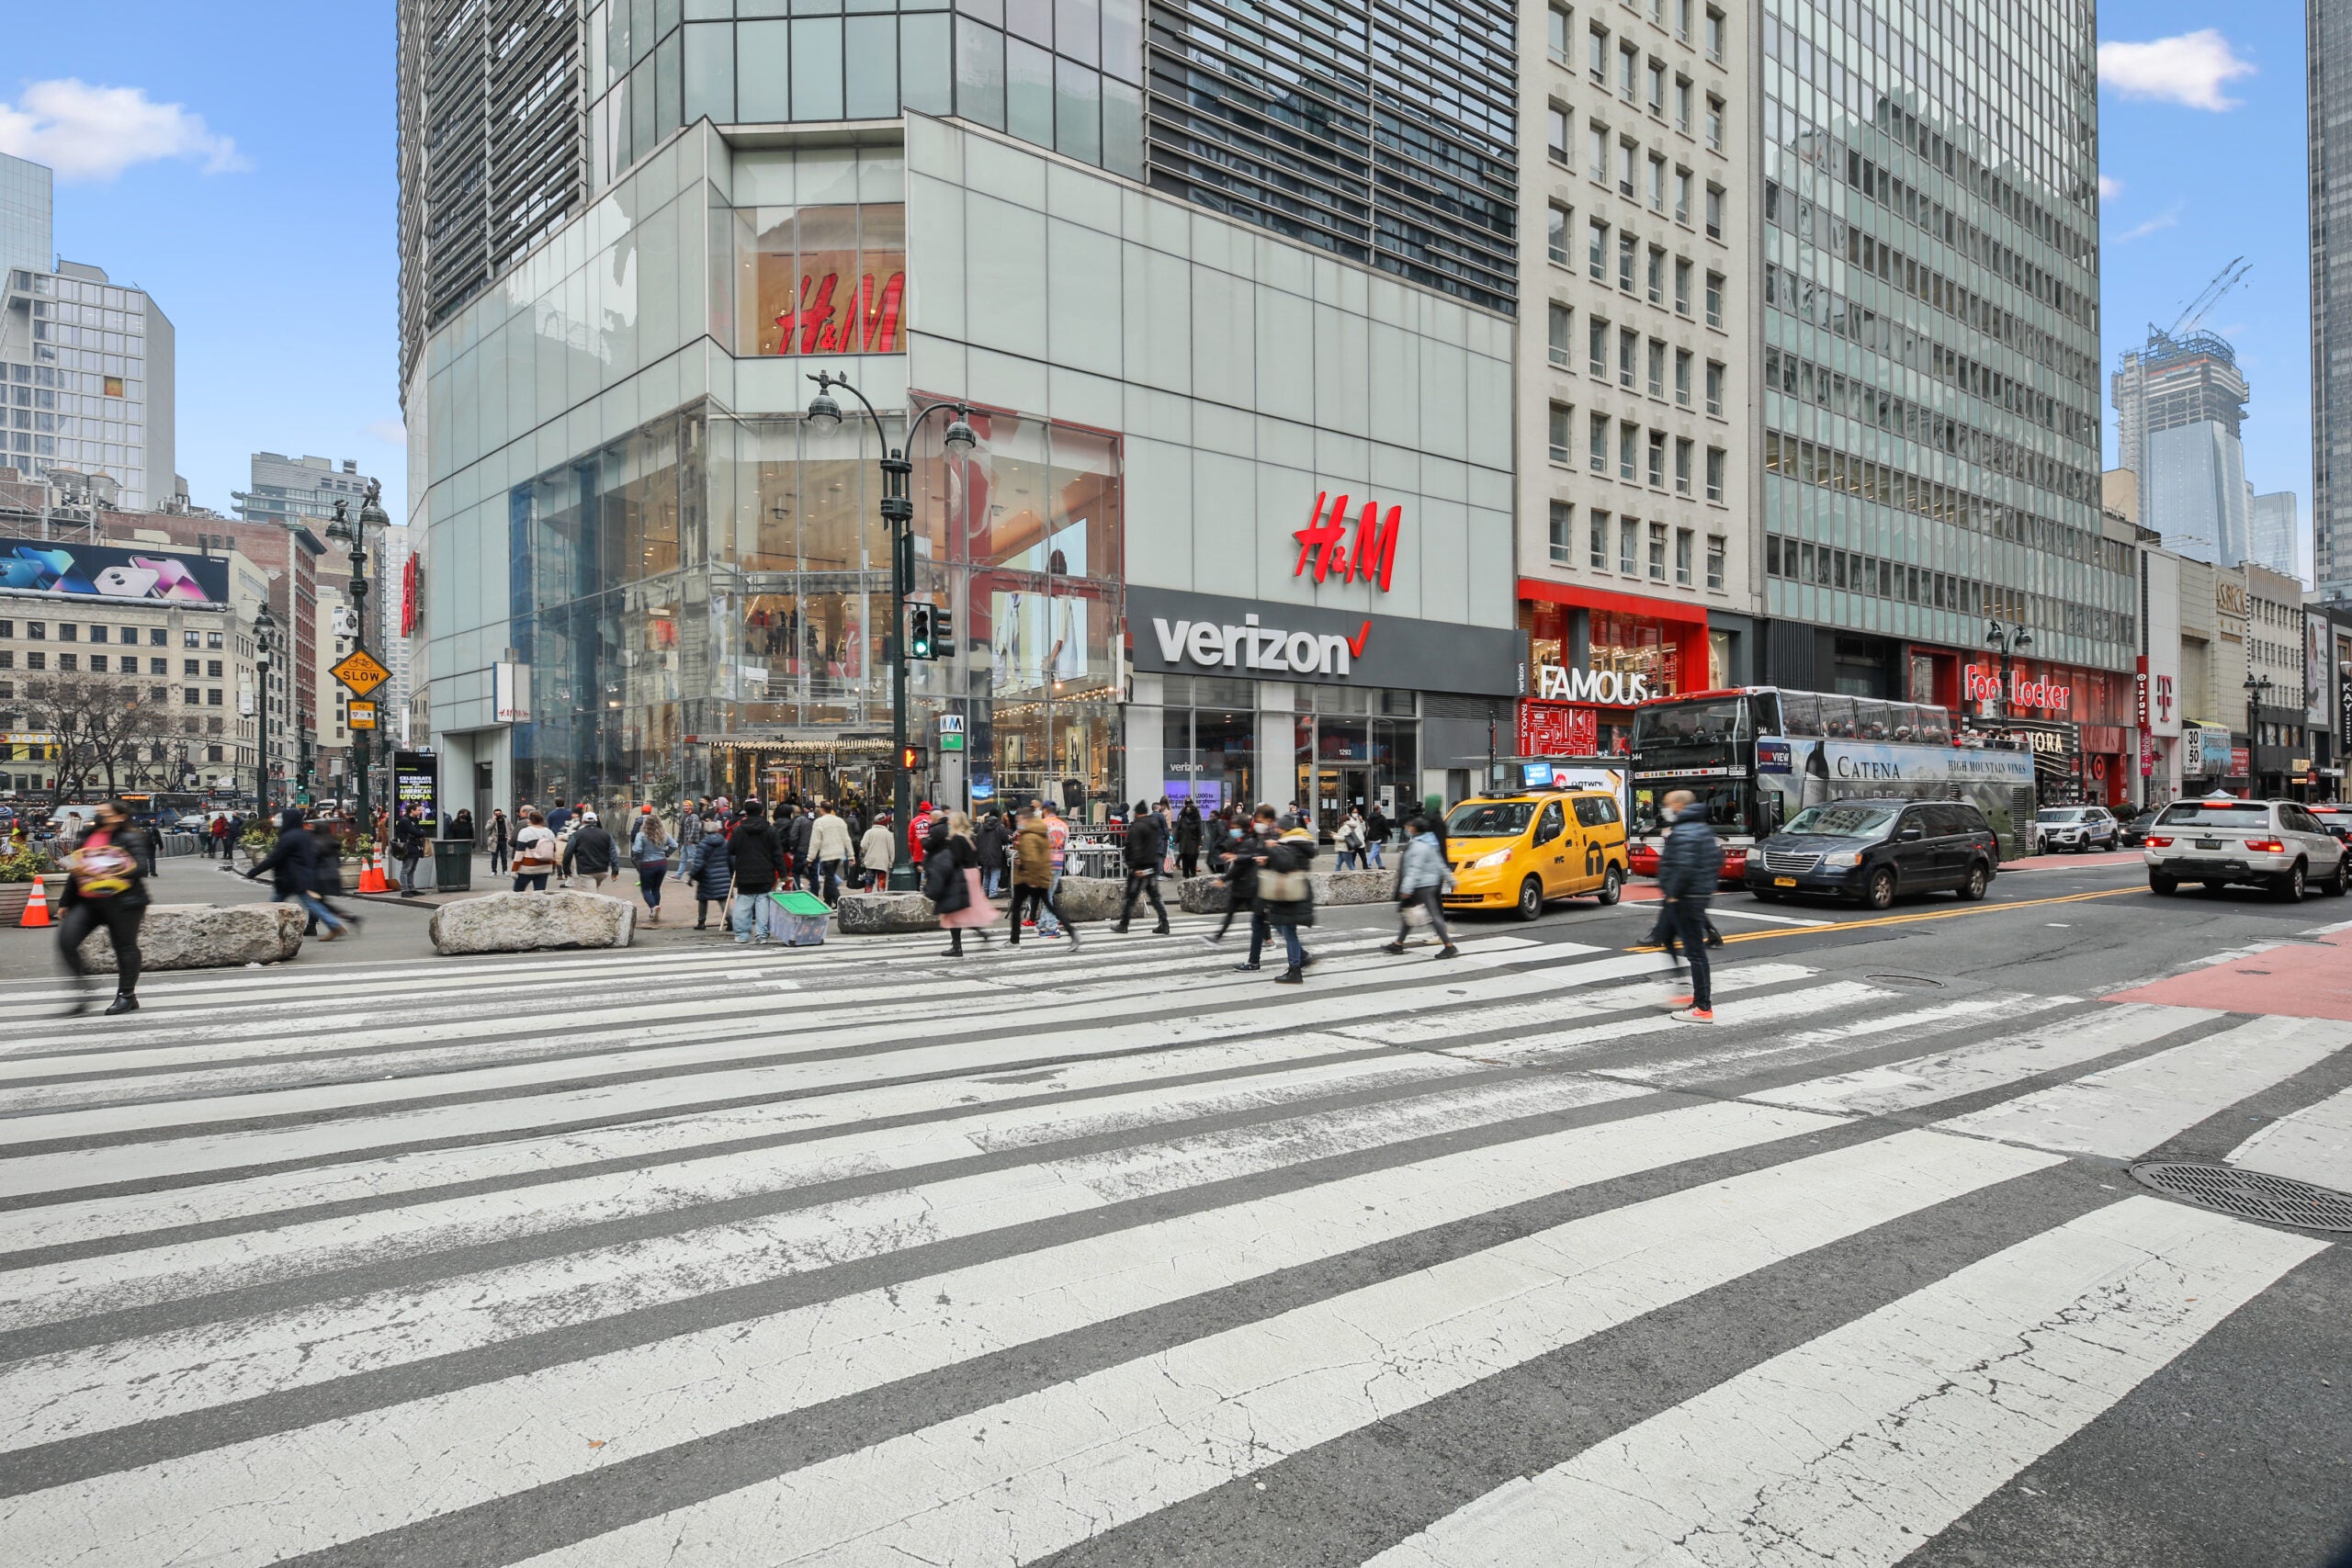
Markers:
point(859, 1254)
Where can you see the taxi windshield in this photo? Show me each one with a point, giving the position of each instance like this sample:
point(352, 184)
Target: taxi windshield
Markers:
point(1489, 819)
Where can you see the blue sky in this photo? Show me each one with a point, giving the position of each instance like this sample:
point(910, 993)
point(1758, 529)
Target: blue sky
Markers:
point(2202, 143)
point(266, 234)
point(266, 230)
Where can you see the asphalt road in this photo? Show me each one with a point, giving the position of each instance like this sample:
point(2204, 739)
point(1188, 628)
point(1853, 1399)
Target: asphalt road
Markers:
point(858, 1255)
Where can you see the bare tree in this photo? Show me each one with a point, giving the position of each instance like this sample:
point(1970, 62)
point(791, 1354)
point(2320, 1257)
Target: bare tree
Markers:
point(100, 726)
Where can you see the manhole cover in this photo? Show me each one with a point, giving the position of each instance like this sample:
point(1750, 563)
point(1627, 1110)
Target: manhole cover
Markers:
point(1906, 980)
point(2249, 1193)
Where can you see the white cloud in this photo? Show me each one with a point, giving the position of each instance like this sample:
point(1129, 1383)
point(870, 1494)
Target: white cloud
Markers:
point(2110, 187)
point(2165, 220)
point(2190, 70)
point(94, 133)
point(387, 430)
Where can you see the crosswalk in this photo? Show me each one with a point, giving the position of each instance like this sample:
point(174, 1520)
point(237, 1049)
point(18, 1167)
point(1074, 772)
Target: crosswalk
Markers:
point(861, 1255)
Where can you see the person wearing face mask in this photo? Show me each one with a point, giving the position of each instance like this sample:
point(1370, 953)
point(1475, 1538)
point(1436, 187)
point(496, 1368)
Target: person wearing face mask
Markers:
point(1242, 852)
point(105, 886)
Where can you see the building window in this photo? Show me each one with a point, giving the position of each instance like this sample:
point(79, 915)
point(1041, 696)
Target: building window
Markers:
point(212, 670)
point(37, 631)
point(1715, 562)
point(211, 639)
point(1559, 134)
point(1560, 413)
point(159, 667)
point(1598, 62)
point(1557, 42)
point(1682, 558)
point(98, 634)
point(1715, 473)
point(1629, 70)
point(1597, 540)
point(1597, 444)
point(1598, 146)
point(213, 697)
point(67, 663)
point(1555, 236)
point(1714, 387)
point(1658, 459)
point(158, 637)
point(97, 664)
point(1682, 377)
point(1629, 453)
point(191, 667)
point(1561, 324)
point(1715, 213)
point(1715, 299)
point(1597, 255)
point(1658, 87)
point(1656, 278)
point(1658, 552)
point(1629, 548)
point(1629, 349)
point(1597, 346)
point(1715, 35)
point(1682, 444)
point(1627, 153)
point(1682, 286)
point(1657, 368)
point(1682, 105)
point(1564, 521)
point(187, 639)
point(1629, 247)
point(1682, 195)
point(36, 659)
point(1657, 184)
point(1714, 123)
point(1682, 21)
point(69, 631)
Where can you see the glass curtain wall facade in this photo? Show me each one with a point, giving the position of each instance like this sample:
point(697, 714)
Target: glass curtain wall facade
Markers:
point(1384, 133)
point(1930, 379)
point(704, 606)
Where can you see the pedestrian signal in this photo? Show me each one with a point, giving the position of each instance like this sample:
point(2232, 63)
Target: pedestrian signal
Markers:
point(910, 759)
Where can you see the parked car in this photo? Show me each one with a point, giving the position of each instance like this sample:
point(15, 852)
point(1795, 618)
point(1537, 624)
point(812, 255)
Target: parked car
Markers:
point(2079, 829)
point(2132, 829)
point(1514, 851)
point(2276, 844)
point(1876, 850)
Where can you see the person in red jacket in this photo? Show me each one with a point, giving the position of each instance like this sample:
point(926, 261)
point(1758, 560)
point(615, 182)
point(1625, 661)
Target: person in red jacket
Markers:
point(918, 830)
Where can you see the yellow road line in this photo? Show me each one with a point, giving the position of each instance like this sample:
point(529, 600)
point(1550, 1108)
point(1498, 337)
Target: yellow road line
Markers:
point(1912, 918)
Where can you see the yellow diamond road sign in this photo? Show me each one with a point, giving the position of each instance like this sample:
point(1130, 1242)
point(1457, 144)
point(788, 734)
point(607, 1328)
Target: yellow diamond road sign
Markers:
point(359, 670)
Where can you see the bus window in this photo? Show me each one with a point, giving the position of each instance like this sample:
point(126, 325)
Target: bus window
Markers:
point(1873, 720)
point(1764, 713)
point(1800, 713)
point(1935, 725)
point(1838, 717)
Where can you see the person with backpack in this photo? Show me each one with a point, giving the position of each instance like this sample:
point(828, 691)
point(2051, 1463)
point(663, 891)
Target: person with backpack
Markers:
point(712, 872)
point(1286, 897)
point(1146, 847)
point(1352, 841)
point(757, 860)
point(590, 851)
point(537, 853)
point(104, 886)
point(1237, 853)
point(1421, 881)
point(1376, 829)
point(1033, 876)
point(648, 852)
point(1689, 867)
point(829, 851)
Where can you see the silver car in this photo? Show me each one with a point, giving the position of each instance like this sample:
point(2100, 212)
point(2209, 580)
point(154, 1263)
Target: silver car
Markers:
point(2276, 844)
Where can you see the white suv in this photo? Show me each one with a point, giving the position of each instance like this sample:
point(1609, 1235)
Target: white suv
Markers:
point(2276, 844)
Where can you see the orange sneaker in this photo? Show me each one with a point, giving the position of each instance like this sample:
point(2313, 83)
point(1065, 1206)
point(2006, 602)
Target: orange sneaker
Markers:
point(1681, 1001)
point(1695, 1015)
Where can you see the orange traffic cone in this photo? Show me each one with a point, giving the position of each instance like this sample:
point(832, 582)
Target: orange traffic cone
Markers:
point(371, 878)
point(36, 908)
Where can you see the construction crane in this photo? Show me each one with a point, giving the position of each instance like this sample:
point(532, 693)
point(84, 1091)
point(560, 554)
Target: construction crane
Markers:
point(2229, 278)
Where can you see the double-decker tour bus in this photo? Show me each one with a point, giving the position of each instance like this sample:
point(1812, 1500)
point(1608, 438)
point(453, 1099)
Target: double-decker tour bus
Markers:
point(1757, 755)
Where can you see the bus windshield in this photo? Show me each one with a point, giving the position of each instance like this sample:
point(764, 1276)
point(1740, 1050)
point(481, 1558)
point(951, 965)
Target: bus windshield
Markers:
point(1726, 804)
point(1706, 722)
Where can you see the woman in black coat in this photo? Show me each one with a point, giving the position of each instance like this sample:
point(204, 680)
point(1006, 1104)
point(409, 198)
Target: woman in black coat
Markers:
point(1188, 842)
point(757, 860)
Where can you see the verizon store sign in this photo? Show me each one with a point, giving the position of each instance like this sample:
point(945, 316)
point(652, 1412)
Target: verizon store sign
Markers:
point(1205, 633)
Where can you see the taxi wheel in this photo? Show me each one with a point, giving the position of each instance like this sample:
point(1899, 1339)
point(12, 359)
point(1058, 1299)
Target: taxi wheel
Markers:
point(1530, 900)
point(1613, 884)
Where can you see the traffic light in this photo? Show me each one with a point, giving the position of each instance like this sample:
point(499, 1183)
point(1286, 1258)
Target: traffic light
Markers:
point(919, 632)
point(910, 759)
point(942, 633)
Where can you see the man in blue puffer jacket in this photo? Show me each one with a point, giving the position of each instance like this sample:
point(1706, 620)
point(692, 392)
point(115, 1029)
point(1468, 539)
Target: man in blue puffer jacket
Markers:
point(1688, 870)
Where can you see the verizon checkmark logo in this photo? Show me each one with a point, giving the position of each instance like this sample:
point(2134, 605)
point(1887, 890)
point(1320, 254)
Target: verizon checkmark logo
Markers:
point(1355, 643)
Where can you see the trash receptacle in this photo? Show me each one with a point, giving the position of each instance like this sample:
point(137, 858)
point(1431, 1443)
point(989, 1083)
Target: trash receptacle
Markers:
point(453, 865)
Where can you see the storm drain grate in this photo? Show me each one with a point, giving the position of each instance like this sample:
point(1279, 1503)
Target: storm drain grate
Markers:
point(2249, 1193)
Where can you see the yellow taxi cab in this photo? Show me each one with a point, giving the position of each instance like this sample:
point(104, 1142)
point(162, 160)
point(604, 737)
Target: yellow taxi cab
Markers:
point(1514, 851)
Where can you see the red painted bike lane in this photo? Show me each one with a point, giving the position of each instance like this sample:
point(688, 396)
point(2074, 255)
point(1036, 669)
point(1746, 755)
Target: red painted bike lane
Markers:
point(2294, 979)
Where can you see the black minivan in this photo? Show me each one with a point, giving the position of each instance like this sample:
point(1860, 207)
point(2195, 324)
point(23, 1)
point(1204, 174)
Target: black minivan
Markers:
point(1875, 848)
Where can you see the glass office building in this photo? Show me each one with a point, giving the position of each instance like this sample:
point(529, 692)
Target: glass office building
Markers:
point(1929, 355)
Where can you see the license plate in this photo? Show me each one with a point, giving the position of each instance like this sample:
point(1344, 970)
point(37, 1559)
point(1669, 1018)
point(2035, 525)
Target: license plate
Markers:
point(2209, 843)
point(1784, 881)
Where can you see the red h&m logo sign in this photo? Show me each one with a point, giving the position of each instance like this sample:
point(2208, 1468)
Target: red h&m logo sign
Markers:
point(869, 324)
point(1323, 543)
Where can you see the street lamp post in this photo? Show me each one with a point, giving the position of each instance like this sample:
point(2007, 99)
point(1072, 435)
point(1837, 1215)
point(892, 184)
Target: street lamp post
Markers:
point(2257, 697)
point(897, 517)
point(343, 531)
point(265, 639)
point(2009, 639)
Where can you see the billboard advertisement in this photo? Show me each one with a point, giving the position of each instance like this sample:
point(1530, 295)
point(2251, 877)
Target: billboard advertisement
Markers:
point(417, 784)
point(111, 572)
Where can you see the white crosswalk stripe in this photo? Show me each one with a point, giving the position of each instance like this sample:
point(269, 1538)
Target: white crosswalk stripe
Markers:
point(282, 1272)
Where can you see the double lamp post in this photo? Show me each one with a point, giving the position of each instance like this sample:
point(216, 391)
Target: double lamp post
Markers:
point(340, 530)
point(897, 517)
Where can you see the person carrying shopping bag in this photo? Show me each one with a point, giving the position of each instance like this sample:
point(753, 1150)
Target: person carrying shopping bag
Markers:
point(1421, 881)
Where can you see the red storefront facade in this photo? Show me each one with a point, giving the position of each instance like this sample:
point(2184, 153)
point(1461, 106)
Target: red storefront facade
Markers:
point(1594, 656)
point(2097, 704)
